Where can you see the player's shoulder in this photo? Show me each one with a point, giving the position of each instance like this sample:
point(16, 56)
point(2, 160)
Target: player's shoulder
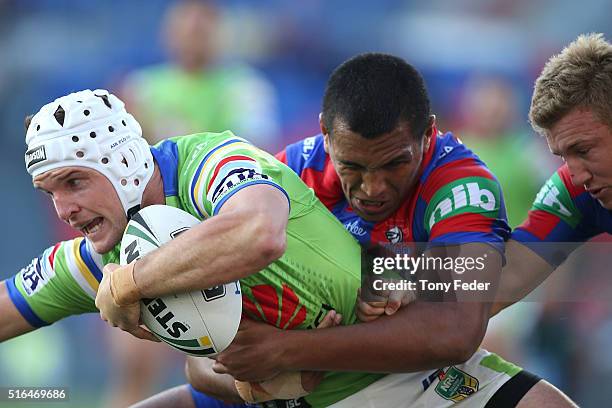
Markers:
point(193, 149)
point(565, 181)
point(451, 162)
point(208, 140)
point(563, 200)
point(308, 153)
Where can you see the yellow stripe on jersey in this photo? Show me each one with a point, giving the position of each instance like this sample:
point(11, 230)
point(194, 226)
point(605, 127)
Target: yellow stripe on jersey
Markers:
point(85, 272)
point(207, 168)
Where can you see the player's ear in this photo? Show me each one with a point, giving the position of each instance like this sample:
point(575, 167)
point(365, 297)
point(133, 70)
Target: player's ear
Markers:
point(430, 132)
point(324, 132)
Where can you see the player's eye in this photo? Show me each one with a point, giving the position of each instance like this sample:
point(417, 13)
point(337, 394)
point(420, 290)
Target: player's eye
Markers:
point(583, 151)
point(75, 182)
point(351, 166)
point(396, 163)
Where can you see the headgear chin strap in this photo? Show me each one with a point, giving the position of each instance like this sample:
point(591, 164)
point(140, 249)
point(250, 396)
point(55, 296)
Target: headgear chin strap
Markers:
point(97, 132)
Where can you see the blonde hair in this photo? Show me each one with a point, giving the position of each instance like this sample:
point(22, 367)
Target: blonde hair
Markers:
point(579, 77)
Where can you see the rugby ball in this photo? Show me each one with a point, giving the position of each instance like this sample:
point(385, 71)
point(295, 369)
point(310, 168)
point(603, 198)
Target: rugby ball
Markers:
point(200, 323)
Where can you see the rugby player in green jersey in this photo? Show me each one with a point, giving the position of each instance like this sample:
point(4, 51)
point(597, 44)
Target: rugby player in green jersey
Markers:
point(263, 226)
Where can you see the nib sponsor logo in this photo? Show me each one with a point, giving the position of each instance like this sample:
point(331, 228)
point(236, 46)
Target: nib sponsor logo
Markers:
point(463, 198)
point(284, 311)
point(549, 197)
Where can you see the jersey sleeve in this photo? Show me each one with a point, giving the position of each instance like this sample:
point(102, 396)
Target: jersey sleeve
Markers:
point(464, 204)
point(61, 282)
point(306, 154)
point(559, 214)
point(221, 170)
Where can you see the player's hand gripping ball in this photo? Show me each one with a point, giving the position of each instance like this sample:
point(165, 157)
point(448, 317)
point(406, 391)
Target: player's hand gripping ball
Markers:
point(200, 323)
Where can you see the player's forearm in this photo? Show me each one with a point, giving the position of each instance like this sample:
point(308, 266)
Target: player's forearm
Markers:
point(222, 249)
point(200, 375)
point(523, 272)
point(420, 336)
point(12, 323)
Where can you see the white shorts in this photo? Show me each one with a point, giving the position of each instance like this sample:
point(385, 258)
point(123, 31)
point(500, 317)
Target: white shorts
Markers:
point(470, 384)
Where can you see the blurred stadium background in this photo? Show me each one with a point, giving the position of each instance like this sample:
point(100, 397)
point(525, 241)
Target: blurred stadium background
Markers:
point(479, 59)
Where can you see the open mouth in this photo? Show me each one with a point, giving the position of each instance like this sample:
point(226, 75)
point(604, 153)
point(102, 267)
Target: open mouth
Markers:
point(369, 206)
point(597, 192)
point(93, 226)
point(369, 203)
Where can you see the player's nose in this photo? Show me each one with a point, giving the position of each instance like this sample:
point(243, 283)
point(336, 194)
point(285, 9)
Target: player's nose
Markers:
point(373, 184)
point(65, 207)
point(579, 173)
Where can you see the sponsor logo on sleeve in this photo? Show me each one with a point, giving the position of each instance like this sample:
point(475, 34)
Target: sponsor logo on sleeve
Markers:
point(37, 274)
point(554, 198)
point(35, 155)
point(307, 147)
point(468, 195)
point(229, 174)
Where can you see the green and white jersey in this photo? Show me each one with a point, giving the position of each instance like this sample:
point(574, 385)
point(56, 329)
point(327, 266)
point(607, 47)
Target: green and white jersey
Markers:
point(320, 269)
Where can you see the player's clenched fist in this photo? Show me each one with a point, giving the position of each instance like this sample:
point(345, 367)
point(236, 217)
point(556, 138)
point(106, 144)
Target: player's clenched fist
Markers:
point(371, 304)
point(288, 385)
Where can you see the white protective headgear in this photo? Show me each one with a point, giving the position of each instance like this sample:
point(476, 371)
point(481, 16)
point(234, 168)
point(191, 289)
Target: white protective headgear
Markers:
point(98, 133)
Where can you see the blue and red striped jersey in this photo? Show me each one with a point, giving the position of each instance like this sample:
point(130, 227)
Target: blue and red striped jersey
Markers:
point(562, 212)
point(457, 199)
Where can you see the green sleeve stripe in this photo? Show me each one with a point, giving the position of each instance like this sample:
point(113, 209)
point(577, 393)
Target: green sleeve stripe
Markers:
point(496, 363)
point(554, 198)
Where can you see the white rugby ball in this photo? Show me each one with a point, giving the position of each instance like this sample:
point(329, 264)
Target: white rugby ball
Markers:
point(200, 323)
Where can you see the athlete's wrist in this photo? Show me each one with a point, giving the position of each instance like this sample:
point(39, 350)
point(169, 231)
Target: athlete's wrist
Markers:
point(123, 286)
point(290, 349)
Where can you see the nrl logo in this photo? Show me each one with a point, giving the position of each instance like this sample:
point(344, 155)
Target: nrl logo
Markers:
point(35, 155)
point(456, 385)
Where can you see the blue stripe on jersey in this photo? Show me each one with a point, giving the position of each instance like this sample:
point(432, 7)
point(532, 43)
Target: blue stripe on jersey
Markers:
point(89, 262)
point(491, 238)
point(448, 149)
point(307, 153)
point(359, 228)
point(199, 170)
point(252, 183)
point(595, 218)
point(166, 156)
point(22, 305)
point(201, 400)
point(555, 255)
point(419, 233)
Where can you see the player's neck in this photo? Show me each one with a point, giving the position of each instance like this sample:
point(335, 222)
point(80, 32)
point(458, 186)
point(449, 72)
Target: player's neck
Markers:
point(154, 191)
